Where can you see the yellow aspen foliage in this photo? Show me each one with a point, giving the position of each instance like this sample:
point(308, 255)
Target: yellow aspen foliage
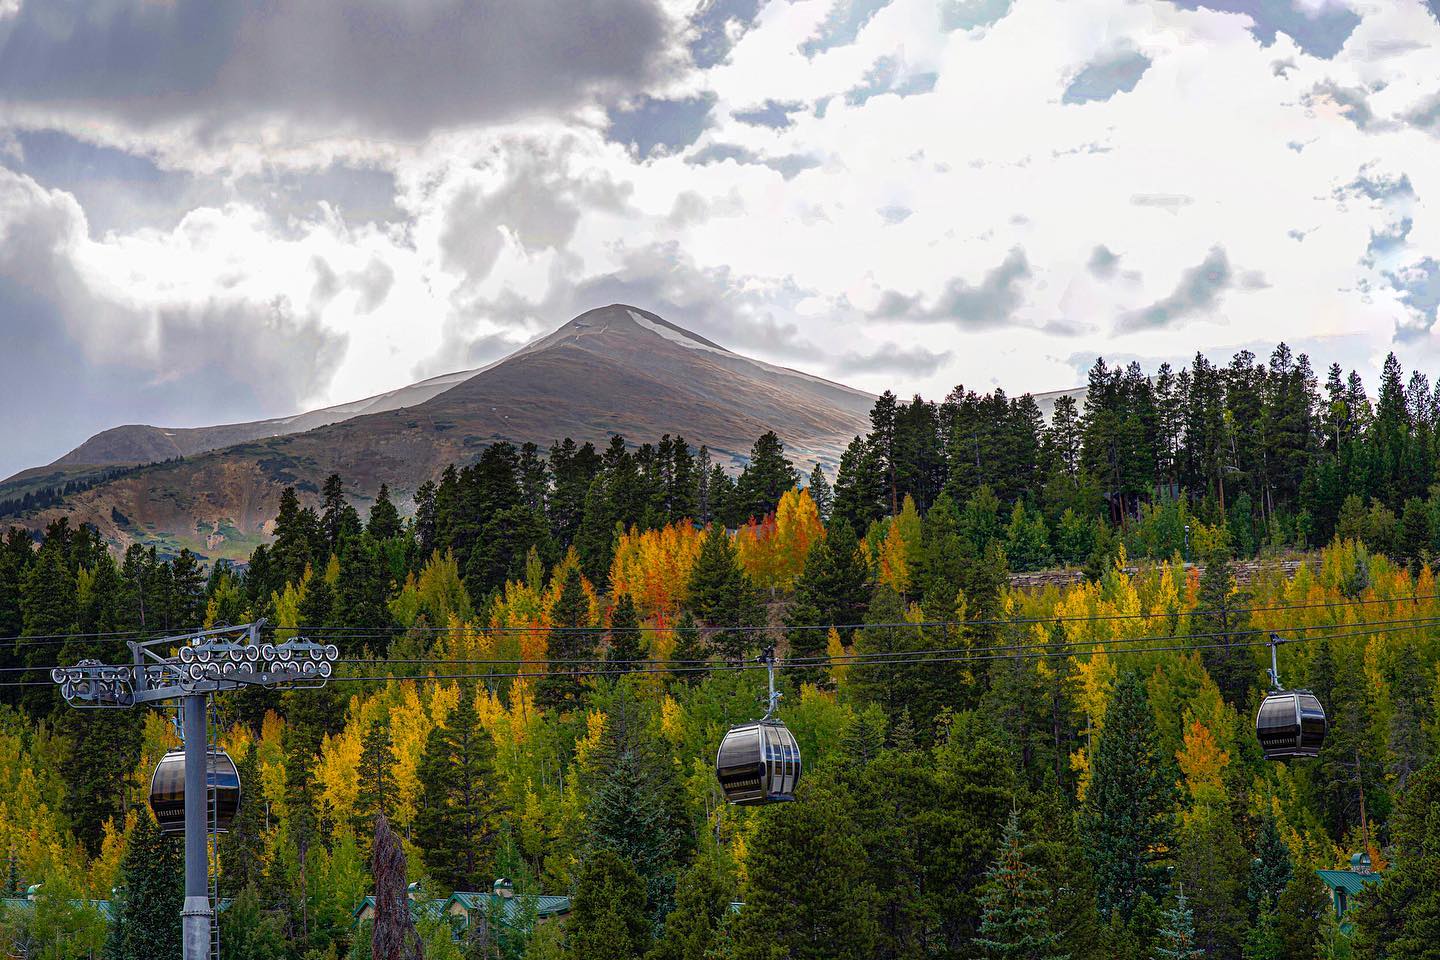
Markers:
point(797, 527)
point(1202, 761)
point(1097, 675)
point(522, 715)
point(287, 607)
point(105, 869)
point(835, 649)
point(532, 826)
point(894, 560)
point(437, 593)
point(410, 726)
point(672, 720)
point(594, 730)
point(653, 568)
point(463, 640)
point(756, 544)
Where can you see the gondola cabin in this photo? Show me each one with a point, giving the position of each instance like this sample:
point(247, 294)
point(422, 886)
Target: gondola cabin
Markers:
point(758, 763)
point(167, 790)
point(1290, 723)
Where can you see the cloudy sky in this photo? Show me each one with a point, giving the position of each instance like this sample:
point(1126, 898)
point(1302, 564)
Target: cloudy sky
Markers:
point(226, 212)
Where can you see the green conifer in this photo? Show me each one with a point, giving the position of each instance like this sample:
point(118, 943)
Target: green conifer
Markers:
point(1014, 920)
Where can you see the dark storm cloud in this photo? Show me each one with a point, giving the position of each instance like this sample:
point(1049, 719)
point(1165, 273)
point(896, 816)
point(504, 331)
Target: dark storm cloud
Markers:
point(1108, 74)
point(842, 25)
point(649, 124)
point(370, 65)
point(891, 358)
point(989, 303)
point(969, 14)
point(84, 363)
point(1320, 33)
point(1199, 289)
point(772, 114)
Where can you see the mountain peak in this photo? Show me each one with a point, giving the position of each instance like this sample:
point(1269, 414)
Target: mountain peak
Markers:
point(626, 320)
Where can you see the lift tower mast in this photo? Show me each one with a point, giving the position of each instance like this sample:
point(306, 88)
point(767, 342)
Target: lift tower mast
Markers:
point(189, 668)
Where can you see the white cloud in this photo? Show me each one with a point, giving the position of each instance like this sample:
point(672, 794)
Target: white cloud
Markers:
point(786, 237)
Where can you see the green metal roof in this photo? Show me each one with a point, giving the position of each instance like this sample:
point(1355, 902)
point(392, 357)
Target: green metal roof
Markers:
point(511, 906)
point(101, 907)
point(420, 910)
point(1347, 880)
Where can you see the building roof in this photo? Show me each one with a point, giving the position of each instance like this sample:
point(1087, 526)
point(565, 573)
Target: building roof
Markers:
point(419, 909)
point(101, 907)
point(1347, 880)
point(512, 906)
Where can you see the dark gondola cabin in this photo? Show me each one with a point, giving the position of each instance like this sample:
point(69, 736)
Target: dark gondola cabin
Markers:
point(758, 763)
point(1290, 723)
point(167, 790)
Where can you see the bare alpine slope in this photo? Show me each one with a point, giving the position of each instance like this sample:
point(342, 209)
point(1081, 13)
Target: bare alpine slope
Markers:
point(616, 369)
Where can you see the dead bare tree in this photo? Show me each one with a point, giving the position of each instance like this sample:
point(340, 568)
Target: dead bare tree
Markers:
point(394, 936)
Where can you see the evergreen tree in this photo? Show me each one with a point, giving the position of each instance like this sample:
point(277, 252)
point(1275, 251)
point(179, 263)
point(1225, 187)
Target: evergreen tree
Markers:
point(1399, 918)
point(863, 736)
point(338, 519)
point(722, 595)
point(384, 522)
point(608, 921)
point(1176, 936)
point(361, 594)
point(295, 535)
point(626, 649)
point(1219, 627)
point(689, 652)
point(859, 495)
point(693, 928)
point(104, 748)
point(1300, 915)
point(242, 849)
point(1014, 919)
point(831, 592)
point(377, 792)
point(821, 493)
point(637, 804)
point(595, 537)
point(1126, 816)
point(1271, 868)
point(458, 813)
point(572, 640)
point(317, 607)
point(152, 892)
point(808, 898)
point(766, 478)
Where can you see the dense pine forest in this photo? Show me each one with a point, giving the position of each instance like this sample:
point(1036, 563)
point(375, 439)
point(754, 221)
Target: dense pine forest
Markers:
point(542, 652)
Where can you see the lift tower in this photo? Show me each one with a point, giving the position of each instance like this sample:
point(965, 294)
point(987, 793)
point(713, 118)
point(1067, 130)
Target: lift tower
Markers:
point(188, 668)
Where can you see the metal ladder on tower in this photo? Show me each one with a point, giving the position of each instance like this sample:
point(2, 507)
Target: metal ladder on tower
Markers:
point(212, 846)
